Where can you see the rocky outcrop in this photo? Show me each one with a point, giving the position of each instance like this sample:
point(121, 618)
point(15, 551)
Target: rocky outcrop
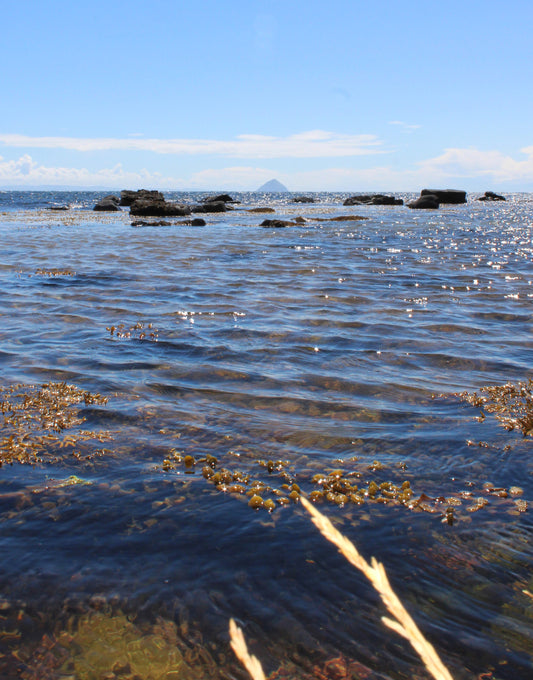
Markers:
point(149, 207)
point(127, 196)
point(425, 202)
point(303, 199)
point(108, 204)
point(373, 199)
point(446, 195)
point(491, 196)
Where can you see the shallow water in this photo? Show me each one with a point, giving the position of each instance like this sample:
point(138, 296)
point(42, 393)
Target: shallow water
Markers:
point(330, 345)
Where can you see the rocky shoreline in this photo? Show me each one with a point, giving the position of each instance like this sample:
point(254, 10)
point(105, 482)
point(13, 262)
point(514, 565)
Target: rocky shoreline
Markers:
point(152, 203)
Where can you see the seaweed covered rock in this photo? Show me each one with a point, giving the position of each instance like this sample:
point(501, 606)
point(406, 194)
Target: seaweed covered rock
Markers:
point(446, 195)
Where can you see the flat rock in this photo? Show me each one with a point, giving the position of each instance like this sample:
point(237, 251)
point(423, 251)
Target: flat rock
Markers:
point(446, 195)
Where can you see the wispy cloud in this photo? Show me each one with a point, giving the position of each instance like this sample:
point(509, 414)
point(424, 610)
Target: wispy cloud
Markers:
point(405, 127)
point(311, 144)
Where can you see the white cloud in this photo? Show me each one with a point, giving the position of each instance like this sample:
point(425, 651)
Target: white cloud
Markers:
point(471, 163)
point(25, 171)
point(468, 169)
point(311, 144)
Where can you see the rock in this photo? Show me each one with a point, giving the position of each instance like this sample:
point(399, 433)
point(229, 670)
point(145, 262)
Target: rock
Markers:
point(446, 195)
point(225, 198)
point(425, 202)
point(127, 197)
point(491, 196)
point(373, 199)
point(148, 207)
point(273, 186)
point(261, 210)
point(210, 207)
point(197, 222)
point(143, 223)
point(108, 204)
point(303, 199)
point(58, 207)
point(278, 224)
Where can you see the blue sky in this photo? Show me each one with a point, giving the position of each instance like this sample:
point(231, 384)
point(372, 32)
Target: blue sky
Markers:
point(339, 95)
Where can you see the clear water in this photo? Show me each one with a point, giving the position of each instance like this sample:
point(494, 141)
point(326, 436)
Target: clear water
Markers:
point(326, 345)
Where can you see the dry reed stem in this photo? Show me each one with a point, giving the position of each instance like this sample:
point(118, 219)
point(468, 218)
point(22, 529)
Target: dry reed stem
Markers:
point(375, 572)
point(238, 644)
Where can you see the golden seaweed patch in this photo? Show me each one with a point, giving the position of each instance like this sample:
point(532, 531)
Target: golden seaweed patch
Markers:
point(54, 272)
point(34, 420)
point(512, 404)
point(280, 485)
point(138, 331)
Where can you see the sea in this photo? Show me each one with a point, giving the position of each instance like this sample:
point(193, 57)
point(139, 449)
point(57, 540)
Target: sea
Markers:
point(169, 392)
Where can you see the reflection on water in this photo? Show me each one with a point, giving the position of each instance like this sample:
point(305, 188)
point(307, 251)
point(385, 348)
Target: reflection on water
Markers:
point(241, 362)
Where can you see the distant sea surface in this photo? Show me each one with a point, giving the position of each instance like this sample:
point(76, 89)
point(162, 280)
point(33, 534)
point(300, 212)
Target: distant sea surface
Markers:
point(155, 379)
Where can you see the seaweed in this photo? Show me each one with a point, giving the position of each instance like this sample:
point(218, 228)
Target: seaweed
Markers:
point(511, 404)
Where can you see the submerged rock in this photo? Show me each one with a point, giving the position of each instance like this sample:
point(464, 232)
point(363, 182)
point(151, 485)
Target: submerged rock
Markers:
point(277, 224)
point(446, 195)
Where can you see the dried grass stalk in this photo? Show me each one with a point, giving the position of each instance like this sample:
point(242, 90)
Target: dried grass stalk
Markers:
point(238, 644)
point(375, 572)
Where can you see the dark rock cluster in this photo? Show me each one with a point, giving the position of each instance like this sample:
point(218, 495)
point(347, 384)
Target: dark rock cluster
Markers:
point(491, 196)
point(373, 199)
point(430, 199)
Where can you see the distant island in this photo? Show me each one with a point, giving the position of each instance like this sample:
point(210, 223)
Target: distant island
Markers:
point(273, 185)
